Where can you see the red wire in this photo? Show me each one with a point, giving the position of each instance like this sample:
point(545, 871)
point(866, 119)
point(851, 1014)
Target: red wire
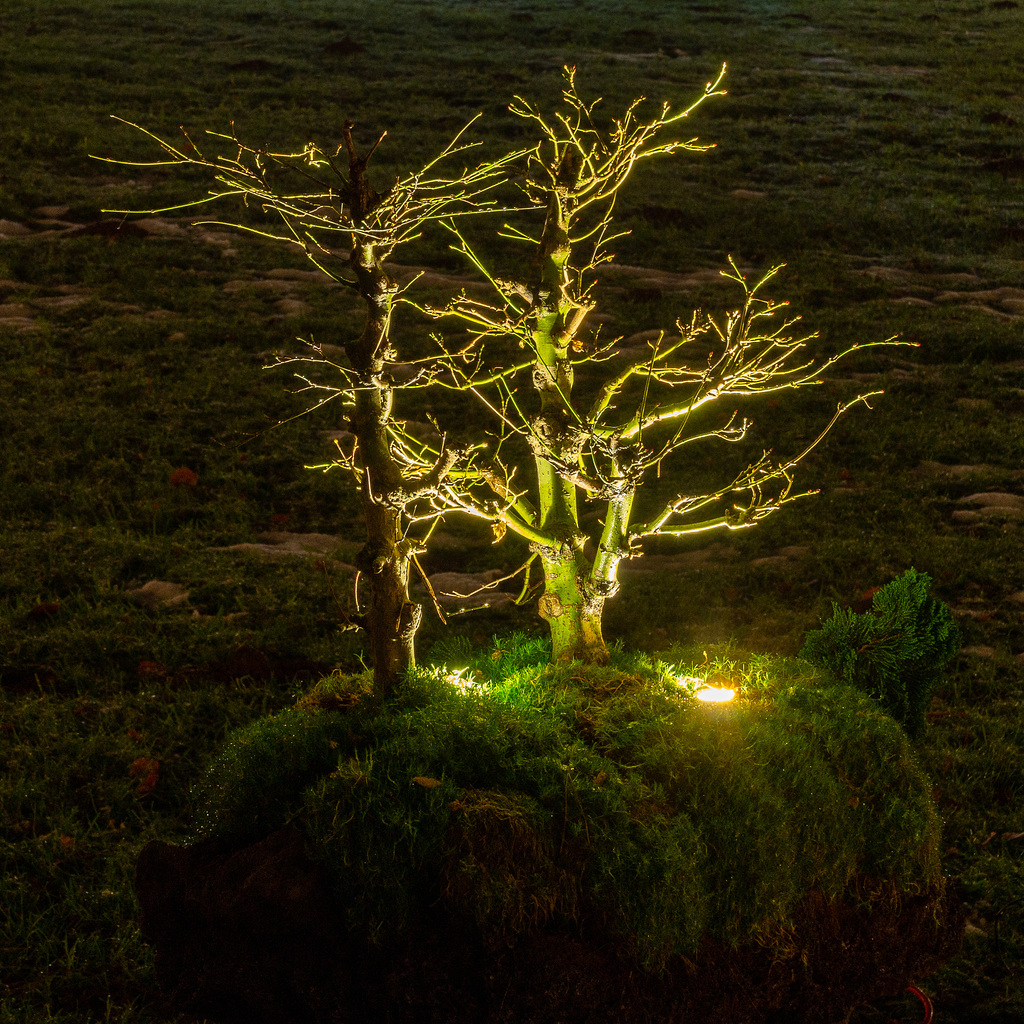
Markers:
point(926, 1002)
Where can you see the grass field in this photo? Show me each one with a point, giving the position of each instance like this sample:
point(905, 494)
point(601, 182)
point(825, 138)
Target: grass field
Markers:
point(877, 149)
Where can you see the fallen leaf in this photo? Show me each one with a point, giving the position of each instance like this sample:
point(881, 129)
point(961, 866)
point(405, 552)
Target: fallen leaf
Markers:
point(134, 734)
point(865, 601)
point(426, 782)
point(148, 784)
point(143, 765)
point(183, 477)
point(150, 769)
point(1007, 836)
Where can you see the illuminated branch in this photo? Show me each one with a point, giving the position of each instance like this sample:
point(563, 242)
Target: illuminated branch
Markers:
point(341, 201)
point(752, 479)
point(518, 356)
point(596, 452)
point(604, 162)
point(326, 205)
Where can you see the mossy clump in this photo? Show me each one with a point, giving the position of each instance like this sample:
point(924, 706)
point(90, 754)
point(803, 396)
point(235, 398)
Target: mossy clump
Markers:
point(517, 795)
point(895, 652)
point(502, 869)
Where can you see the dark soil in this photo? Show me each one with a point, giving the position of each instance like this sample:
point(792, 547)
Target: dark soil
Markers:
point(253, 935)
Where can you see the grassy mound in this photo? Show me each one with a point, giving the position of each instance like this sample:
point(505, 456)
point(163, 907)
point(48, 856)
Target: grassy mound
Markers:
point(517, 794)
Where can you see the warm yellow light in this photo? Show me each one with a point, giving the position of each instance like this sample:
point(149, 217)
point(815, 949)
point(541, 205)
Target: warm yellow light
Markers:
point(461, 679)
point(716, 694)
point(690, 681)
point(700, 689)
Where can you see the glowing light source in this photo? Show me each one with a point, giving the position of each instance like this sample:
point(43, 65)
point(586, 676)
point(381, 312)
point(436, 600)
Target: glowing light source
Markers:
point(715, 694)
point(462, 679)
point(700, 689)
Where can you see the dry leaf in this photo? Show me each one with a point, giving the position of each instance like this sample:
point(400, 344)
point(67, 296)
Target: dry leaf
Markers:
point(150, 769)
point(183, 477)
point(426, 782)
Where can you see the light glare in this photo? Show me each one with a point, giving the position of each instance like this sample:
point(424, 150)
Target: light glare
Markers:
point(716, 694)
point(689, 681)
point(700, 689)
point(461, 679)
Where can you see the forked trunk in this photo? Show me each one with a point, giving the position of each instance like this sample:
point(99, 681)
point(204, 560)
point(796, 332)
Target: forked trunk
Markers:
point(572, 610)
point(570, 605)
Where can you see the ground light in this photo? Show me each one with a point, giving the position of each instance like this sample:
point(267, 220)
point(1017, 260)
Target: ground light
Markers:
point(462, 679)
point(714, 694)
point(700, 689)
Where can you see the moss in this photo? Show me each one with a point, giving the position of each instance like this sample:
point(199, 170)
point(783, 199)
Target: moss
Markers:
point(253, 787)
point(501, 868)
point(536, 795)
point(336, 692)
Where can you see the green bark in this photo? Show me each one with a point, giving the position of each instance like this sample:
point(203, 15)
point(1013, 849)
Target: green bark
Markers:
point(571, 604)
point(571, 607)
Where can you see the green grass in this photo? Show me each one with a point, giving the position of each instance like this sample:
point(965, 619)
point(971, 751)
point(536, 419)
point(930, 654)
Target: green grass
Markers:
point(878, 137)
point(541, 777)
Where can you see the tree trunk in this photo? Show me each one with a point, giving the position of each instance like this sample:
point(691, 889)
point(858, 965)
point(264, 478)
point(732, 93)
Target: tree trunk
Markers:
point(571, 608)
point(391, 620)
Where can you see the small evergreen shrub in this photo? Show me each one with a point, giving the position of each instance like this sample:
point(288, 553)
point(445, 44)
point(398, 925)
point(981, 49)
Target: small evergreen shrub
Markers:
point(895, 652)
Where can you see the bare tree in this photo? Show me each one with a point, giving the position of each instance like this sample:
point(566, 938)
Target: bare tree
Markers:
point(521, 359)
point(328, 208)
point(523, 353)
